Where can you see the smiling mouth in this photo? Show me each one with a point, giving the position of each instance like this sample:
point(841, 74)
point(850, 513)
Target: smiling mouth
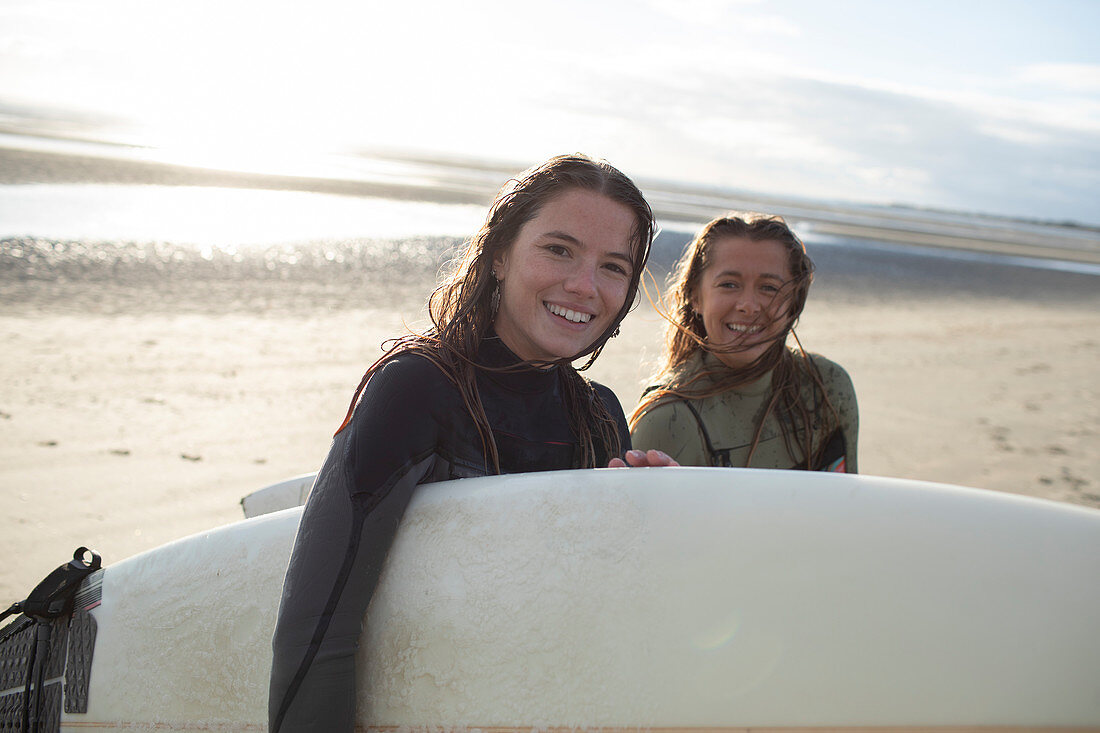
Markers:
point(743, 328)
point(569, 315)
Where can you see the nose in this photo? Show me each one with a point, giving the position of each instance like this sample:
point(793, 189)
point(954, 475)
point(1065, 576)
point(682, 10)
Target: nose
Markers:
point(582, 281)
point(747, 302)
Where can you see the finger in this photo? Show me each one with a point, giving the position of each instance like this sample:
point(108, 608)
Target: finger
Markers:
point(659, 458)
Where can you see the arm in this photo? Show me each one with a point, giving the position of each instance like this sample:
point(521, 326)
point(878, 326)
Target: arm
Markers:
point(346, 530)
point(849, 422)
point(842, 396)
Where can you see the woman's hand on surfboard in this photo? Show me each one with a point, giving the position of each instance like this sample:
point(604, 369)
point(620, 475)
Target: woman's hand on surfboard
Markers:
point(640, 459)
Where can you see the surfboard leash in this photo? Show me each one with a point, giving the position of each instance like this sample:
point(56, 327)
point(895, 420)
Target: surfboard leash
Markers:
point(51, 599)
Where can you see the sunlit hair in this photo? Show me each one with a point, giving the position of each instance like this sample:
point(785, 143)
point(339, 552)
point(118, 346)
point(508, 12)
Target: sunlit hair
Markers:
point(686, 336)
point(462, 314)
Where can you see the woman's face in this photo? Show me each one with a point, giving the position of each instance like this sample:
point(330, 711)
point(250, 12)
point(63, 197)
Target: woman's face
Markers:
point(741, 297)
point(565, 277)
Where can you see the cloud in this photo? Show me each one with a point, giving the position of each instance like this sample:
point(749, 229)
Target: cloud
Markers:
point(824, 138)
point(739, 16)
point(1073, 78)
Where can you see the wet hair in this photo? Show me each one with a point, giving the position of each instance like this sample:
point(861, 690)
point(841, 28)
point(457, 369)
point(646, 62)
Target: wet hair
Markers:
point(462, 312)
point(686, 336)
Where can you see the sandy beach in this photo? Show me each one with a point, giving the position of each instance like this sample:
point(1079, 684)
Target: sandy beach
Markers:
point(134, 413)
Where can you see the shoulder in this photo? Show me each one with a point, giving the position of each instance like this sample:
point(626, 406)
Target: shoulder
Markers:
point(669, 414)
point(839, 389)
point(409, 370)
point(696, 362)
point(672, 427)
point(411, 365)
point(672, 377)
point(833, 375)
point(407, 381)
point(607, 398)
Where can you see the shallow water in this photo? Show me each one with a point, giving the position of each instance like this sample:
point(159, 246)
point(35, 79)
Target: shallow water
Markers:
point(218, 217)
point(259, 249)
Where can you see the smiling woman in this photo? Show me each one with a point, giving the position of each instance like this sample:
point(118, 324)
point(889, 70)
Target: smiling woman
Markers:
point(490, 389)
point(566, 277)
point(730, 391)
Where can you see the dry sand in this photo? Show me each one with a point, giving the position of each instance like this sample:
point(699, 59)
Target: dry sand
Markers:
point(130, 417)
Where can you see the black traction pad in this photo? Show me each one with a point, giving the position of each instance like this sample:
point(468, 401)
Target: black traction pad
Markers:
point(78, 671)
point(15, 653)
point(11, 712)
point(72, 641)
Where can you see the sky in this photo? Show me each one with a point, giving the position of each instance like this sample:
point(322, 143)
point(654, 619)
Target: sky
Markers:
point(989, 106)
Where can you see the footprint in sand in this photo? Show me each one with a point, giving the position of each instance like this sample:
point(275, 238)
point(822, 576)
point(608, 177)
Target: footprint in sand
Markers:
point(1076, 482)
point(1000, 439)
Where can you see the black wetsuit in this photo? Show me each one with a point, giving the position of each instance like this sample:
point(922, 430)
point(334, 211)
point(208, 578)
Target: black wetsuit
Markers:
point(409, 428)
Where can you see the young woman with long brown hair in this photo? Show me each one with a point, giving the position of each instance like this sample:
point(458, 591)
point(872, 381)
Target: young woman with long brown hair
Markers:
point(489, 389)
point(731, 391)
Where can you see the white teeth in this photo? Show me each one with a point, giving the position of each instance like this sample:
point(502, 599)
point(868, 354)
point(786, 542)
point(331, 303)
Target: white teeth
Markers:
point(742, 329)
point(569, 315)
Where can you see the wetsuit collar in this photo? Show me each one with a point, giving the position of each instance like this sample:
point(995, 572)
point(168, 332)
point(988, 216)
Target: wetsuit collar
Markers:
point(494, 353)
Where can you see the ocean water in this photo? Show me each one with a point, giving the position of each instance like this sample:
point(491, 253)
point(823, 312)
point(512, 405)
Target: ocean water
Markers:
point(54, 238)
point(225, 218)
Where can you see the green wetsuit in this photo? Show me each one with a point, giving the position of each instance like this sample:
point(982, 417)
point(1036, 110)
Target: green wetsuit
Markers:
point(727, 420)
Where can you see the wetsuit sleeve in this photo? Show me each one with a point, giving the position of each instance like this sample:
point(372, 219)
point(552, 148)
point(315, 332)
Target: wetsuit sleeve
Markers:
point(670, 427)
point(346, 529)
point(842, 396)
point(848, 409)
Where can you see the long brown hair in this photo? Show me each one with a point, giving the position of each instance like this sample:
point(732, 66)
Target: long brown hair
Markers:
point(686, 336)
point(461, 307)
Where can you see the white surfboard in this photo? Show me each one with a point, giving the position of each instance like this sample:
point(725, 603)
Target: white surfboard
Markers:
point(673, 599)
point(283, 495)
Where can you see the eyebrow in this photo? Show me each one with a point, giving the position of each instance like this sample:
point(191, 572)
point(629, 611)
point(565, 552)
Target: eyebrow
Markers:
point(556, 234)
point(737, 273)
